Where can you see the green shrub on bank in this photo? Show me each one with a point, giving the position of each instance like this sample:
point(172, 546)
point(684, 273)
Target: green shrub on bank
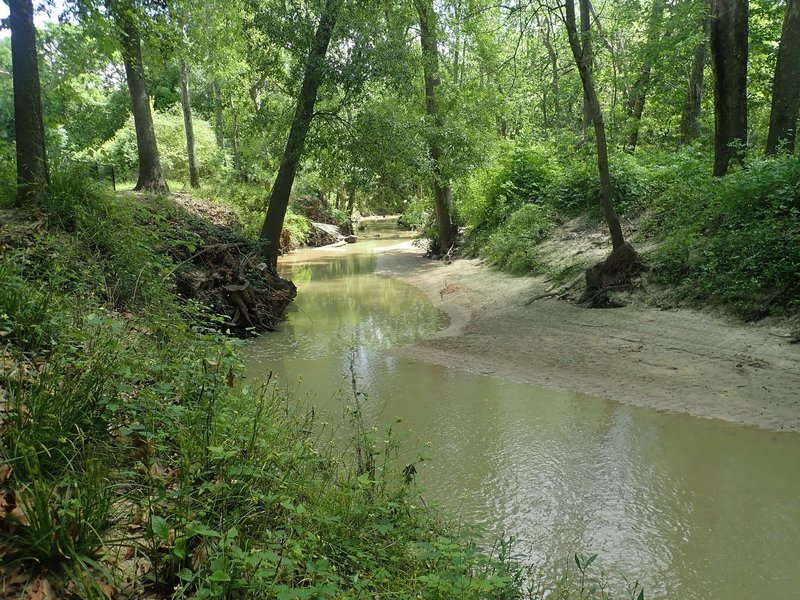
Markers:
point(512, 246)
point(120, 150)
point(733, 241)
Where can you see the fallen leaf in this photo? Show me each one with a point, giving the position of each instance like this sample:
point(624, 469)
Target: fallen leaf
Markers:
point(40, 589)
point(5, 472)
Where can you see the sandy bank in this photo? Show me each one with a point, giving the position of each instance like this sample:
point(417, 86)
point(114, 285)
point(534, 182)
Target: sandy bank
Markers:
point(676, 360)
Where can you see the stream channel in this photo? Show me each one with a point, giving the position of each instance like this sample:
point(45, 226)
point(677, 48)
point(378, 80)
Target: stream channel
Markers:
point(695, 509)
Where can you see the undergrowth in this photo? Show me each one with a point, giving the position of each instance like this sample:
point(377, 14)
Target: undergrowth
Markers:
point(135, 462)
point(731, 242)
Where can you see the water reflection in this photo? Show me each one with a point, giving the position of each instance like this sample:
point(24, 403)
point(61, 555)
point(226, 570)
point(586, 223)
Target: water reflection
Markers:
point(697, 509)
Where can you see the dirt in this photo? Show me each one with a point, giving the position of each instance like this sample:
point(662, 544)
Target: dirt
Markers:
point(675, 360)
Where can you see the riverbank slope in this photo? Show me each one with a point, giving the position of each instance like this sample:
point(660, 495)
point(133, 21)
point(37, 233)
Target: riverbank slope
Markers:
point(676, 360)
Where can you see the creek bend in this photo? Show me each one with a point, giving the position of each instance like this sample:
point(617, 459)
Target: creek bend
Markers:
point(693, 508)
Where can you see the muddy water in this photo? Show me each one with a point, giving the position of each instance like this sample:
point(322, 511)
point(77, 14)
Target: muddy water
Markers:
point(696, 509)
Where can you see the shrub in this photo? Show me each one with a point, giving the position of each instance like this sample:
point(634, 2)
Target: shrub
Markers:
point(734, 241)
point(512, 246)
point(171, 136)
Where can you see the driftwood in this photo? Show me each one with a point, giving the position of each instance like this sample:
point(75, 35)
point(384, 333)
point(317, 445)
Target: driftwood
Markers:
point(233, 281)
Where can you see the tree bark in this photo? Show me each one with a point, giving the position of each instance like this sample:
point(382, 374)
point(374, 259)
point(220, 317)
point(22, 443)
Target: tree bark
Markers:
point(312, 78)
point(591, 100)
point(151, 177)
point(351, 202)
point(194, 174)
point(430, 65)
point(553, 58)
point(642, 84)
point(729, 61)
point(588, 55)
point(32, 173)
point(690, 118)
point(786, 85)
point(219, 122)
point(237, 163)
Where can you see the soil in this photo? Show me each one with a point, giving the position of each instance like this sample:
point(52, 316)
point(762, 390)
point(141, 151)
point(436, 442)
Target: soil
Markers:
point(675, 360)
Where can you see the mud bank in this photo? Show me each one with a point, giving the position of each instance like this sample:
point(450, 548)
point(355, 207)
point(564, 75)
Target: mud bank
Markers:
point(676, 360)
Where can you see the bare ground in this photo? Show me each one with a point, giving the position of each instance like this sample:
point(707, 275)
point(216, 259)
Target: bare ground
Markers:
point(669, 360)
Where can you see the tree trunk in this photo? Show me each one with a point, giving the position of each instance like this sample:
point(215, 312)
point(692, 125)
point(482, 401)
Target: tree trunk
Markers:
point(351, 202)
point(642, 84)
point(194, 174)
point(430, 64)
point(32, 174)
point(786, 86)
point(553, 58)
point(312, 78)
point(590, 94)
point(690, 118)
point(237, 162)
point(151, 177)
point(219, 122)
point(729, 62)
point(588, 56)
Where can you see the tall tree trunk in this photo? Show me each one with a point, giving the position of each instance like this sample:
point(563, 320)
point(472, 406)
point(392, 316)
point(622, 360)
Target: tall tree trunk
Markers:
point(642, 84)
point(553, 57)
point(588, 55)
point(32, 174)
point(786, 86)
point(219, 122)
point(590, 94)
point(430, 66)
point(690, 118)
point(351, 201)
point(312, 78)
point(729, 61)
point(237, 163)
point(194, 173)
point(151, 177)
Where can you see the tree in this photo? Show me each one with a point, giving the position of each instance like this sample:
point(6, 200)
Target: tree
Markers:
point(729, 61)
point(690, 116)
point(151, 177)
point(32, 173)
point(642, 84)
point(194, 174)
point(596, 114)
point(301, 123)
point(430, 66)
point(786, 85)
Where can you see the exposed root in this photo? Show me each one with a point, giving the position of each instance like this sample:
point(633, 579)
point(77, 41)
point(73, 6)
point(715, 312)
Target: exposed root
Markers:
point(615, 273)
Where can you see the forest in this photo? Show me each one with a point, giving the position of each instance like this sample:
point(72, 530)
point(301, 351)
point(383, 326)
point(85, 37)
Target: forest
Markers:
point(161, 159)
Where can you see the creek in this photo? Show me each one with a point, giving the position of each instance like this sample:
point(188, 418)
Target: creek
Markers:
point(696, 509)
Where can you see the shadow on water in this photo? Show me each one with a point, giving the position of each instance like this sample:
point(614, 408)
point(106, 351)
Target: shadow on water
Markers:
point(696, 509)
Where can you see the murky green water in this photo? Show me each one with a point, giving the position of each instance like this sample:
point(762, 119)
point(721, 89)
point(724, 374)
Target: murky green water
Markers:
point(696, 509)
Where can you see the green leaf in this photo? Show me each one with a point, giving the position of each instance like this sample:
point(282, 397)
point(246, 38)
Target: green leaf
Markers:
point(159, 527)
point(219, 576)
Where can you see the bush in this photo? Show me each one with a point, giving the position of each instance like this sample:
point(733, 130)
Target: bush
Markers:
point(120, 150)
point(512, 246)
point(734, 241)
